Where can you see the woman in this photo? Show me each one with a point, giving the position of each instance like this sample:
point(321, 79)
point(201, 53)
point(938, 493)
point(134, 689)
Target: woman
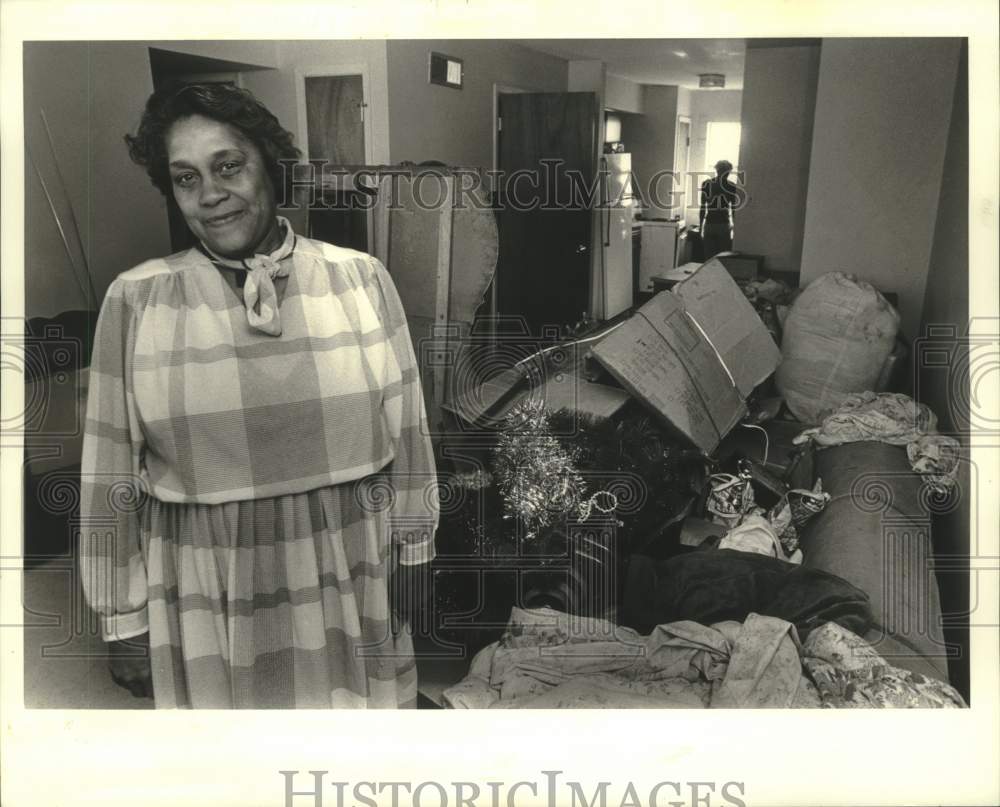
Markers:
point(719, 198)
point(257, 469)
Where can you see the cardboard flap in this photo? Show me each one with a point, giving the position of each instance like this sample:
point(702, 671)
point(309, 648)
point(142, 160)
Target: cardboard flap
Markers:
point(569, 391)
point(492, 400)
point(478, 402)
point(719, 306)
point(662, 358)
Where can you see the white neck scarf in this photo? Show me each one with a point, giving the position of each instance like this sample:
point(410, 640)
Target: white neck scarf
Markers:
point(259, 295)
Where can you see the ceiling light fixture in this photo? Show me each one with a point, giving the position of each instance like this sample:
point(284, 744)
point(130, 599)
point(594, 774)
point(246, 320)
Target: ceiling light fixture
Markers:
point(711, 81)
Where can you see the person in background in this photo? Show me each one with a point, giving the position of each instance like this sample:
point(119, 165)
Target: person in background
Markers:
point(257, 471)
point(719, 197)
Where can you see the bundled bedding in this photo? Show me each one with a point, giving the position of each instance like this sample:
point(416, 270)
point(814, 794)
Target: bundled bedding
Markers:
point(549, 659)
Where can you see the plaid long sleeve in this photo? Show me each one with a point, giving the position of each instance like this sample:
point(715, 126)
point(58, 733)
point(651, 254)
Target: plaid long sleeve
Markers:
point(111, 493)
point(411, 474)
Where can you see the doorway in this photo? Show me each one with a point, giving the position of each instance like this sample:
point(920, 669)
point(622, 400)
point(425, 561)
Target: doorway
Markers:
point(722, 142)
point(335, 130)
point(543, 272)
point(682, 159)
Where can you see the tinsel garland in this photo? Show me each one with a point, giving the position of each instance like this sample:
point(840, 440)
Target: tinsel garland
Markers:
point(536, 474)
point(514, 512)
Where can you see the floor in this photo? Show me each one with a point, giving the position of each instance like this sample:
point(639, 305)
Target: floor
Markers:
point(65, 664)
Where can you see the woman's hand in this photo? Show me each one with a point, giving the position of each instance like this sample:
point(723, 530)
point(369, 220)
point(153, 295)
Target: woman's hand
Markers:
point(130, 666)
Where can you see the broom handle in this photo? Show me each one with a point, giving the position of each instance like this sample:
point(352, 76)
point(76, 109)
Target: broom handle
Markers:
point(62, 234)
point(72, 215)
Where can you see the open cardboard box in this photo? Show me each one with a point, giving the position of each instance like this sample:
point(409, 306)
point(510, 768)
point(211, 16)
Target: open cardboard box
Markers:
point(488, 403)
point(693, 354)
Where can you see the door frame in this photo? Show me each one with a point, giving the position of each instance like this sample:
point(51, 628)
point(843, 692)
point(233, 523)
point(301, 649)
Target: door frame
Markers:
point(684, 169)
point(340, 69)
point(302, 122)
point(596, 237)
point(498, 90)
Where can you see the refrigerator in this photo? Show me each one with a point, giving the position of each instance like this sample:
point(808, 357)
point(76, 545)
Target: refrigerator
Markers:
point(617, 214)
point(662, 241)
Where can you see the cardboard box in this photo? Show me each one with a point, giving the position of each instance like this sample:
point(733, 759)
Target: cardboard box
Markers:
point(693, 355)
point(558, 375)
point(490, 402)
point(741, 265)
point(722, 310)
point(669, 279)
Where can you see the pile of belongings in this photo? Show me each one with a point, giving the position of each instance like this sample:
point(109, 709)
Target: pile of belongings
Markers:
point(561, 493)
point(771, 300)
point(898, 420)
point(839, 338)
point(775, 531)
point(849, 673)
point(549, 659)
point(717, 585)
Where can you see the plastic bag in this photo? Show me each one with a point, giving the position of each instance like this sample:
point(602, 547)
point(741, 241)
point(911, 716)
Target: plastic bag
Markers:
point(837, 337)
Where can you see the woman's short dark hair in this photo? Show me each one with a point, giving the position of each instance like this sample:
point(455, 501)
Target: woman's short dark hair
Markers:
point(222, 102)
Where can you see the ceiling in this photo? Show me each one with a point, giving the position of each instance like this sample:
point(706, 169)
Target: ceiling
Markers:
point(655, 61)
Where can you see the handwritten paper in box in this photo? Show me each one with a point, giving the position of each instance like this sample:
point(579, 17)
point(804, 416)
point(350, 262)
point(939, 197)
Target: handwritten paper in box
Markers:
point(719, 306)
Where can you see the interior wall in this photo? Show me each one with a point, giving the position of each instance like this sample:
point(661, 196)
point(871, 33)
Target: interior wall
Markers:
point(622, 94)
point(432, 122)
point(883, 108)
point(946, 296)
point(946, 305)
point(684, 101)
point(711, 105)
point(92, 94)
point(649, 138)
point(706, 106)
point(278, 88)
point(779, 103)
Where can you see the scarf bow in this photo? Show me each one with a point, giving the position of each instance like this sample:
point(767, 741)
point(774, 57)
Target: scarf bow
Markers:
point(259, 295)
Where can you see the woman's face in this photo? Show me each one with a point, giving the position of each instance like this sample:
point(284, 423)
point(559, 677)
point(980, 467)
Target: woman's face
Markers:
point(221, 186)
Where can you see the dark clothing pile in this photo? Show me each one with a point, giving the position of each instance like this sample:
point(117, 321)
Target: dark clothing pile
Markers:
point(713, 585)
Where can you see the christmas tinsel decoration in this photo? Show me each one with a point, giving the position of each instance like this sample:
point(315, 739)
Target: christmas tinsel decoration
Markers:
point(536, 474)
point(542, 471)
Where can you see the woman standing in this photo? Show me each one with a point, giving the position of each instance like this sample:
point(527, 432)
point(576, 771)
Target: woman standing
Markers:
point(719, 197)
point(257, 469)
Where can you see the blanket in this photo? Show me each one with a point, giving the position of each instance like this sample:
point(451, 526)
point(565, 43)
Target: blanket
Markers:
point(551, 660)
point(714, 585)
point(599, 665)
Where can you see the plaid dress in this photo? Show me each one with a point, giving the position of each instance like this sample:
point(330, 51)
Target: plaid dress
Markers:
point(245, 494)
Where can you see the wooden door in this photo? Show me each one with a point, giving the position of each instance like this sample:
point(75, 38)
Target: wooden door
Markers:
point(543, 273)
point(335, 130)
point(335, 119)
